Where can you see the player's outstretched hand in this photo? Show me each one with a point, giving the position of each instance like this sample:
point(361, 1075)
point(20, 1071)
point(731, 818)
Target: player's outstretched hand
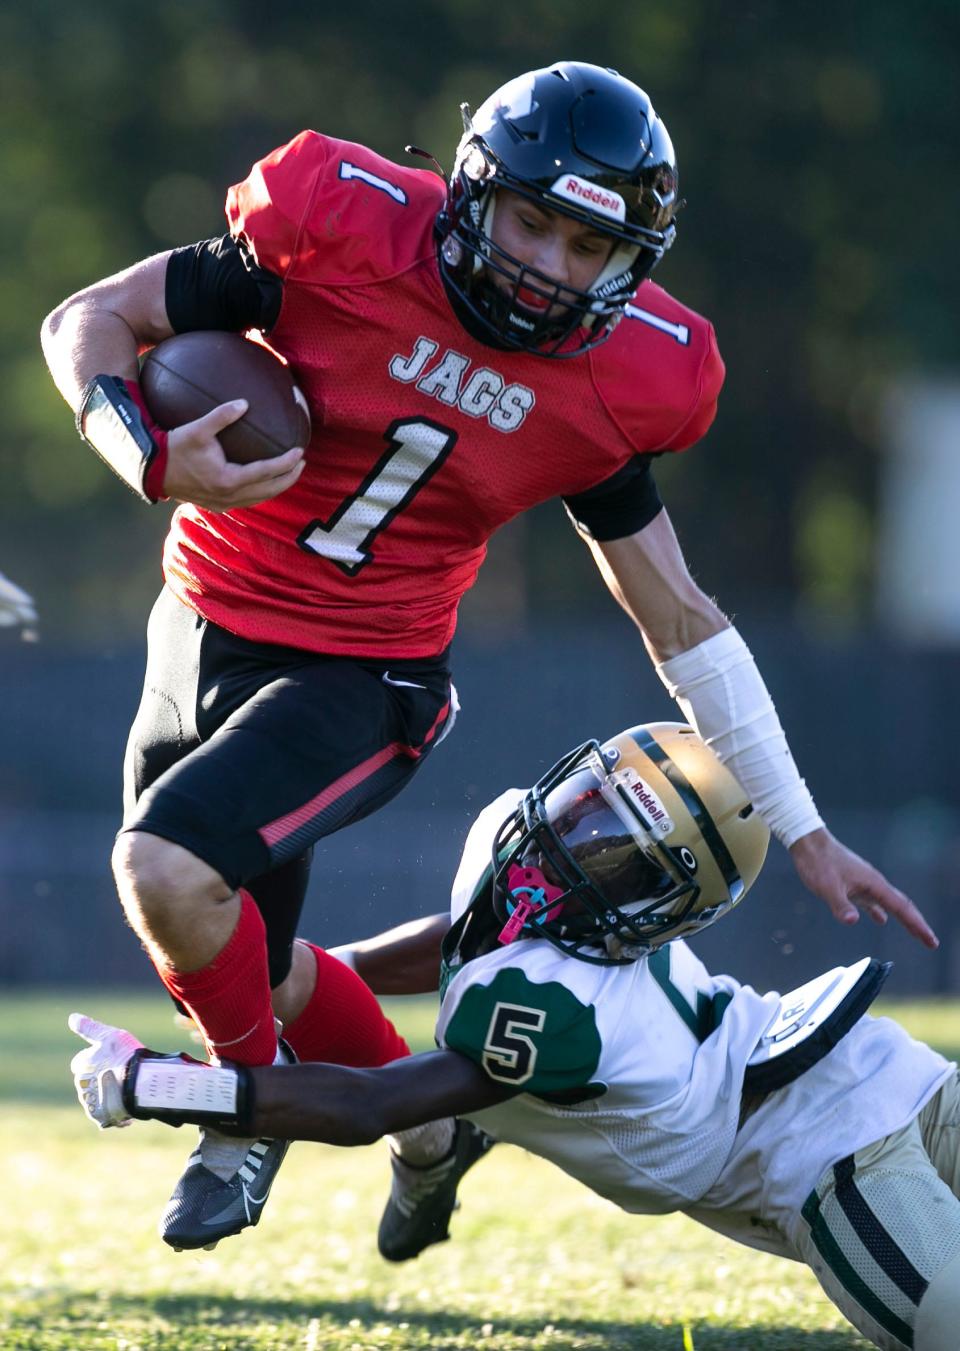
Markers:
point(849, 884)
point(99, 1068)
point(16, 607)
point(199, 472)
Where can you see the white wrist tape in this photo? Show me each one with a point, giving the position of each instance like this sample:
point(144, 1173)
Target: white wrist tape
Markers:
point(722, 695)
point(171, 1086)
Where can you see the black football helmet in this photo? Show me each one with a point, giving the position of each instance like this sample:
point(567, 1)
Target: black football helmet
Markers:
point(576, 139)
point(623, 846)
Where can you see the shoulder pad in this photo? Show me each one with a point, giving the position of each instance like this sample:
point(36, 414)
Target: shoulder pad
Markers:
point(329, 210)
point(810, 1020)
point(661, 373)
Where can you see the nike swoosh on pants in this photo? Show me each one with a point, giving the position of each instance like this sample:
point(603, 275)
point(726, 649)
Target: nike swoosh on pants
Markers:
point(406, 684)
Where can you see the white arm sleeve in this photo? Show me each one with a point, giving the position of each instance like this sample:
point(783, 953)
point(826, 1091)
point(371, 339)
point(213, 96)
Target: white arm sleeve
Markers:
point(722, 695)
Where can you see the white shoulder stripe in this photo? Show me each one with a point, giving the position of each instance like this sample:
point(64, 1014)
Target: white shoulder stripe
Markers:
point(678, 331)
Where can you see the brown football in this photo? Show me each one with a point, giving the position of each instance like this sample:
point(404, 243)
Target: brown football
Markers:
point(189, 374)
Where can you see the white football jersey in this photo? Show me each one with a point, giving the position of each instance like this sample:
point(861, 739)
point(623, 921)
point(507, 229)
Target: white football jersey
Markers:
point(629, 1078)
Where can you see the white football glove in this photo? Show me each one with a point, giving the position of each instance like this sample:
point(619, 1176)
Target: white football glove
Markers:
point(99, 1068)
point(16, 607)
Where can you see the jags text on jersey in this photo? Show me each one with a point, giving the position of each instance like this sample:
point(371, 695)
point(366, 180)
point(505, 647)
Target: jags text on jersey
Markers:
point(481, 393)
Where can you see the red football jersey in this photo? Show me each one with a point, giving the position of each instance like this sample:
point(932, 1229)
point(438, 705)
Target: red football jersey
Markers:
point(425, 440)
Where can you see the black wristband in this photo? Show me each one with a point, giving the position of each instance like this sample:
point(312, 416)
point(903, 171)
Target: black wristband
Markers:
point(113, 420)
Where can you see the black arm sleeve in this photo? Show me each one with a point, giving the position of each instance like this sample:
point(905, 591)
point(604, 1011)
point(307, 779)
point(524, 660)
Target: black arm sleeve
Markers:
point(216, 284)
point(620, 505)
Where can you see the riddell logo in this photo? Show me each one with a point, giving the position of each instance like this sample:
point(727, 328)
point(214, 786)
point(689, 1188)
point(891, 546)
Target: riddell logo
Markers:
point(606, 203)
point(653, 808)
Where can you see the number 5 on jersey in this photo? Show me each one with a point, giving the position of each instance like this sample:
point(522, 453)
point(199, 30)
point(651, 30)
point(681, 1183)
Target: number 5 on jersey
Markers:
point(509, 1054)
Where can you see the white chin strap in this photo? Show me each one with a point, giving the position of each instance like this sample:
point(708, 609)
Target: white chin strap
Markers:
point(621, 260)
point(486, 225)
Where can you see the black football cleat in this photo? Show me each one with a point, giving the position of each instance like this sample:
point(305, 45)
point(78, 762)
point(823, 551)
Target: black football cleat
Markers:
point(422, 1200)
point(223, 1188)
point(205, 1207)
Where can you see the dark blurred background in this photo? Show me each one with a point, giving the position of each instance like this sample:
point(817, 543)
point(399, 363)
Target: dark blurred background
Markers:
point(818, 155)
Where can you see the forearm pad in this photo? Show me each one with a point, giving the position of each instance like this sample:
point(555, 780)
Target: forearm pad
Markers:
point(114, 420)
point(180, 1090)
point(722, 694)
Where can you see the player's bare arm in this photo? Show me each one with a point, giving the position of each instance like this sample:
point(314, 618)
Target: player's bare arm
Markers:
point(105, 326)
point(403, 960)
point(648, 576)
point(118, 1079)
point(339, 1106)
point(102, 330)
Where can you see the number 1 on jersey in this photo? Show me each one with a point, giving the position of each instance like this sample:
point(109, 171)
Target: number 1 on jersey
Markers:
point(417, 447)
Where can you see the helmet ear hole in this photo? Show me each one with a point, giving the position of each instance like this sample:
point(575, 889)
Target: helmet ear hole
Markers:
point(688, 858)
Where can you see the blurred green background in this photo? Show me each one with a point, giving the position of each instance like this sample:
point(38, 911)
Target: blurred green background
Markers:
point(818, 155)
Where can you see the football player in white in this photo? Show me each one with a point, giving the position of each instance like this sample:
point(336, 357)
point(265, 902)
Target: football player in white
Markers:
point(576, 1022)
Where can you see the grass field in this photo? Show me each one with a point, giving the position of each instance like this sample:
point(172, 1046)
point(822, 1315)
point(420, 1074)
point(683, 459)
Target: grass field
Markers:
point(536, 1261)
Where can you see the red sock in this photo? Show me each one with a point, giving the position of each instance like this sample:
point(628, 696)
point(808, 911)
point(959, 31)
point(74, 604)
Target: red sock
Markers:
point(230, 999)
point(342, 1023)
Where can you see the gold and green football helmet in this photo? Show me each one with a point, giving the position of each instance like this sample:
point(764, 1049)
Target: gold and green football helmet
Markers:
point(625, 845)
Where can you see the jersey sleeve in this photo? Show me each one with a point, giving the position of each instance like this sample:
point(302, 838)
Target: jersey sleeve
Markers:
point(660, 376)
point(268, 210)
point(620, 506)
point(215, 284)
point(323, 211)
point(696, 422)
point(533, 1037)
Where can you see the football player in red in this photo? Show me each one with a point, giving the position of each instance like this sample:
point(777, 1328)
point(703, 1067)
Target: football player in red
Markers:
point(468, 350)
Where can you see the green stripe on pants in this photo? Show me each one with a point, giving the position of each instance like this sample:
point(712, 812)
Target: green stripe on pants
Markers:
point(855, 1286)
